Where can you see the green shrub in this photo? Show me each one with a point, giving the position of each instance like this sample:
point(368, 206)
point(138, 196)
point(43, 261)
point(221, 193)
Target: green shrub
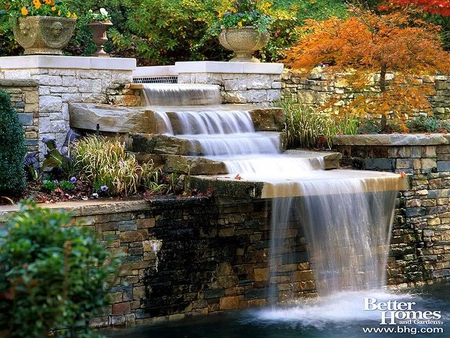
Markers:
point(54, 274)
point(12, 149)
point(180, 30)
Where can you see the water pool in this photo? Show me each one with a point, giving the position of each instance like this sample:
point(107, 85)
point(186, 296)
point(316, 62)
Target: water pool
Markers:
point(422, 312)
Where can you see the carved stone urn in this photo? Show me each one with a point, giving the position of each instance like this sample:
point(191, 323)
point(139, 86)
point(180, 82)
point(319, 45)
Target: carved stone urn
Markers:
point(243, 42)
point(43, 34)
point(99, 29)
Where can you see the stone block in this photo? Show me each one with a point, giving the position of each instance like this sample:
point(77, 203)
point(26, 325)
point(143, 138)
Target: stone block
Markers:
point(48, 104)
point(145, 223)
point(50, 80)
point(443, 166)
point(404, 163)
point(26, 119)
point(127, 225)
point(130, 236)
point(230, 303)
point(379, 164)
point(121, 308)
point(262, 274)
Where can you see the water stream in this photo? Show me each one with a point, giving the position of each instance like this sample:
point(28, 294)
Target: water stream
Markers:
point(347, 227)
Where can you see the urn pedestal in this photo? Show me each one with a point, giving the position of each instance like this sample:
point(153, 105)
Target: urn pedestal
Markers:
point(99, 29)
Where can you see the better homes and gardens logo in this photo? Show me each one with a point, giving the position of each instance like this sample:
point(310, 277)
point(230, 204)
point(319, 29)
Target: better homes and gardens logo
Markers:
point(403, 317)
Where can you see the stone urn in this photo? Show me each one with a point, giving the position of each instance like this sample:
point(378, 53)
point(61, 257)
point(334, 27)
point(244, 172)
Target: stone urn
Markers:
point(99, 29)
point(243, 42)
point(43, 34)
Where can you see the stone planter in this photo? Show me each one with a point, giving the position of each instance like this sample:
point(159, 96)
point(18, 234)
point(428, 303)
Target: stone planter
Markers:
point(99, 29)
point(243, 42)
point(43, 34)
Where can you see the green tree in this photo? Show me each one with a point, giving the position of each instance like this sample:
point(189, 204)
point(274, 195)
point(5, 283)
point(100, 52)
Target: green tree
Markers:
point(12, 149)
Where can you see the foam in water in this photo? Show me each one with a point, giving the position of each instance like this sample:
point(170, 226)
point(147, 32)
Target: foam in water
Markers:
point(338, 308)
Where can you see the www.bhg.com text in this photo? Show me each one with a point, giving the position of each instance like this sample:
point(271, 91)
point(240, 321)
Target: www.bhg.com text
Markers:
point(398, 312)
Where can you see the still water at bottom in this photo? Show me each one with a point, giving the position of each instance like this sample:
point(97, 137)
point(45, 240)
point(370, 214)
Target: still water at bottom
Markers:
point(422, 312)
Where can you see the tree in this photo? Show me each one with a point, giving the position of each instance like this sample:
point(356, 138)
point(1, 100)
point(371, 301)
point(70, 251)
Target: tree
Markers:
point(12, 149)
point(368, 47)
point(441, 7)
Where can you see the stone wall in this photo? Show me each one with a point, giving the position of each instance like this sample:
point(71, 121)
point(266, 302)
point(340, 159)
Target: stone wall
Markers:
point(25, 99)
point(240, 82)
point(58, 81)
point(420, 246)
point(319, 87)
point(191, 256)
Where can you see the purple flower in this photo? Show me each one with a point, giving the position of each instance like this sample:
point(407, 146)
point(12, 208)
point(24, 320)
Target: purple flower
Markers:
point(103, 188)
point(73, 180)
point(56, 182)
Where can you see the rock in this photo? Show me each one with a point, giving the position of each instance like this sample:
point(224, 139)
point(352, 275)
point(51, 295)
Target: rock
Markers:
point(112, 119)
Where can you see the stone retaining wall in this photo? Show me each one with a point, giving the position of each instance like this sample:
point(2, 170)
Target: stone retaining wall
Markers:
point(190, 256)
point(319, 87)
point(24, 96)
point(420, 246)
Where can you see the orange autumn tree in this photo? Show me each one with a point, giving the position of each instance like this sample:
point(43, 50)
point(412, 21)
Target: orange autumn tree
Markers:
point(368, 48)
point(441, 7)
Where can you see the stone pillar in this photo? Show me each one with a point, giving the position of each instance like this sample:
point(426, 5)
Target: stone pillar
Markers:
point(240, 82)
point(60, 80)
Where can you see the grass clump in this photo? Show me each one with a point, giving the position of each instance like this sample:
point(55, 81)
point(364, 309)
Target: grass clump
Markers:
point(110, 169)
point(306, 128)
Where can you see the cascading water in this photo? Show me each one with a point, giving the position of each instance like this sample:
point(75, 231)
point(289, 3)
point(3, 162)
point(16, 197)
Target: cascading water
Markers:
point(345, 215)
point(347, 226)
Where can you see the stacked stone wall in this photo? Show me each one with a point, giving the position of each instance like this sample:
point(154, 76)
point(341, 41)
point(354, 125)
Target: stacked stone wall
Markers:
point(185, 257)
point(25, 99)
point(420, 245)
point(318, 88)
point(240, 88)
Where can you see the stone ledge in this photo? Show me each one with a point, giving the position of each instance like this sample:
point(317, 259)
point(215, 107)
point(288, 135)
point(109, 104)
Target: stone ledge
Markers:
point(85, 208)
point(66, 62)
point(392, 139)
point(18, 83)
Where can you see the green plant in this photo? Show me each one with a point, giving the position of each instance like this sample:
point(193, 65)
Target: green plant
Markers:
point(309, 129)
point(110, 168)
point(241, 13)
point(12, 148)
point(150, 178)
point(49, 185)
point(23, 8)
point(66, 185)
point(54, 274)
point(102, 15)
point(428, 124)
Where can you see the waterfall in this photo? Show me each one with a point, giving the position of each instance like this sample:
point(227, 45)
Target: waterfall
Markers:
point(346, 216)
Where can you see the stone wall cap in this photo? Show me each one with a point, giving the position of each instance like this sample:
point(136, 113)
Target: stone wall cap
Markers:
point(392, 139)
point(155, 71)
point(66, 62)
point(229, 67)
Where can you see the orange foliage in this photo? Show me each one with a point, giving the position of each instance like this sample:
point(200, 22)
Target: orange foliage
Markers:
point(366, 44)
point(441, 7)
